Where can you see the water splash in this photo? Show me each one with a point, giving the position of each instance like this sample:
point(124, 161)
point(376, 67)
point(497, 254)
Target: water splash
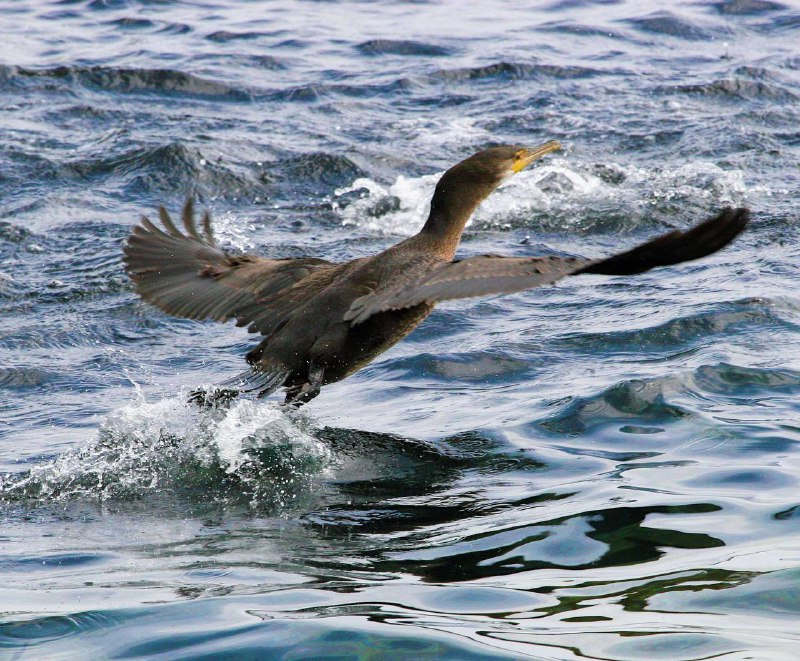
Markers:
point(252, 453)
point(229, 231)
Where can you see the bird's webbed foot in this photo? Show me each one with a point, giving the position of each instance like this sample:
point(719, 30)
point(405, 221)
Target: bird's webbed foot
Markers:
point(299, 395)
point(214, 397)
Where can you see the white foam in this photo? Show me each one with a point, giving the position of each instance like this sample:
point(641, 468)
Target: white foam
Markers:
point(149, 447)
point(561, 188)
point(414, 195)
point(229, 231)
point(247, 425)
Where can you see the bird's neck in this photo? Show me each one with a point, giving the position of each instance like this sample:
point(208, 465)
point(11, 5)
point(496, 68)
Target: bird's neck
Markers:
point(451, 208)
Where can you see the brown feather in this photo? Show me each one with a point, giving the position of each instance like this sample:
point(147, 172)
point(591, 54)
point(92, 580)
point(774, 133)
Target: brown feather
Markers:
point(188, 276)
point(166, 221)
point(187, 216)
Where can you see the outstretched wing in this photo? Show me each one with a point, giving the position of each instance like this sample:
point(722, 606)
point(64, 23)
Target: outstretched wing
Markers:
point(474, 276)
point(493, 274)
point(187, 275)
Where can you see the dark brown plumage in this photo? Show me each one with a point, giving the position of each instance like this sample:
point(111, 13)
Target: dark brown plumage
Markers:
point(322, 321)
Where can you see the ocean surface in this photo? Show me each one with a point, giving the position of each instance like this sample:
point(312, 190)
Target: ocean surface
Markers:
point(608, 468)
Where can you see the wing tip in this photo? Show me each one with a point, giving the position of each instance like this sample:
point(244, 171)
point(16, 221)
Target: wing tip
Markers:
point(676, 247)
point(740, 218)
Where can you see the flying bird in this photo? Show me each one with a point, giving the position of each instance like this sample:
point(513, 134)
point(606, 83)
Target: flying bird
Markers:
point(321, 321)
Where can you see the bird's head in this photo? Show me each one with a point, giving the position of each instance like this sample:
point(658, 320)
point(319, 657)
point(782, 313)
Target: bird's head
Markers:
point(465, 185)
point(468, 183)
point(494, 165)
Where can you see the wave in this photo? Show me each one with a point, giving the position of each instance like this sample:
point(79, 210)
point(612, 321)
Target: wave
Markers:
point(12, 378)
point(667, 24)
point(319, 171)
point(724, 319)
point(254, 457)
point(13, 233)
point(579, 29)
point(748, 7)
point(130, 23)
point(472, 366)
point(738, 88)
point(173, 167)
point(635, 405)
point(647, 406)
point(127, 80)
point(437, 81)
point(400, 47)
point(226, 36)
point(167, 81)
point(8, 287)
point(514, 71)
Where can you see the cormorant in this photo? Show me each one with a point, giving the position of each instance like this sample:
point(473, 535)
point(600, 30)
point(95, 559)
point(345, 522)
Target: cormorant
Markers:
point(322, 321)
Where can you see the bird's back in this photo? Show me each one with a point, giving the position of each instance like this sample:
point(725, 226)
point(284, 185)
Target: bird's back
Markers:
point(318, 331)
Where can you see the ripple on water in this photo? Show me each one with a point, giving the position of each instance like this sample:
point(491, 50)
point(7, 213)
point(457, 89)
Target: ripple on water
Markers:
point(602, 538)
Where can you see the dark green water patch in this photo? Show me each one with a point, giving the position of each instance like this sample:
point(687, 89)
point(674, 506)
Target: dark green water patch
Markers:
point(603, 538)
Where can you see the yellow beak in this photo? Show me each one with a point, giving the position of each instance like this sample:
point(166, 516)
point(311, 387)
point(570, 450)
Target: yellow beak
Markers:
point(528, 156)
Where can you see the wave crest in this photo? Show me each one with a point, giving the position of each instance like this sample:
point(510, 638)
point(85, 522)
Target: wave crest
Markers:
point(551, 197)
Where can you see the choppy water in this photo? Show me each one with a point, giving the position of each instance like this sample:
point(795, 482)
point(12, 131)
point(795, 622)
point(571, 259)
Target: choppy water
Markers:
point(604, 469)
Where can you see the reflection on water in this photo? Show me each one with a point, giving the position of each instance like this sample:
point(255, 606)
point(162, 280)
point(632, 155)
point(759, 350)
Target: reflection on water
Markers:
point(603, 469)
